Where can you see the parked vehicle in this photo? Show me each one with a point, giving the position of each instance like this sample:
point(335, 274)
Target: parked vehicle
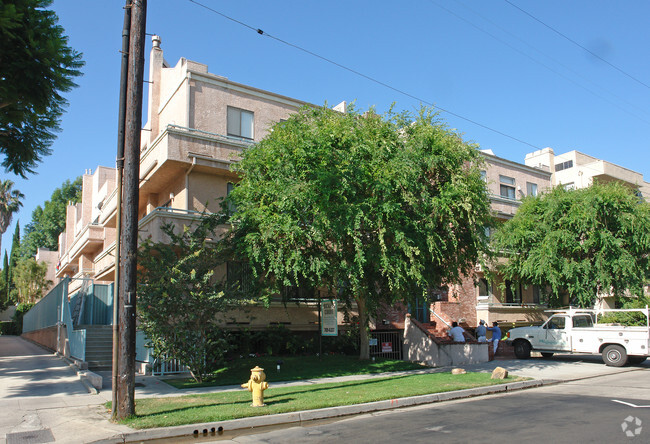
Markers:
point(578, 331)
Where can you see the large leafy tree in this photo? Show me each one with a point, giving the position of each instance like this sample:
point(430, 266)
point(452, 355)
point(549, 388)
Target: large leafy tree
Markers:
point(29, 279)
point(182, 290)
point(48, 221)
point(38, 66)
point(579, 244)
point(371, 209)
point(9, 204)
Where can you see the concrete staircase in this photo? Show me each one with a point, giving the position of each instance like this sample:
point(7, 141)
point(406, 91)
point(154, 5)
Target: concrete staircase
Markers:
point(99, 346)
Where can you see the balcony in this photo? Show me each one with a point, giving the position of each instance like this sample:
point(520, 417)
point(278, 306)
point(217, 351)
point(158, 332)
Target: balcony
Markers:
point(150, 226)
point(504, 206)
point(104, 264)
point(89, 240)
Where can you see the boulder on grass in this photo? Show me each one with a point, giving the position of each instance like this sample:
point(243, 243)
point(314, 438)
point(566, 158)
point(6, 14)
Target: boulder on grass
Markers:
point(458, 371)
point(499, 373)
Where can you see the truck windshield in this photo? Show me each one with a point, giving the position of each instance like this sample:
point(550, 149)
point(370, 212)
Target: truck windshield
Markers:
point(555, 322)
point(582, 321)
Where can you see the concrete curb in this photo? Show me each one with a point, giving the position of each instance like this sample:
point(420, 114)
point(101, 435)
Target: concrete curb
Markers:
point(217, 428)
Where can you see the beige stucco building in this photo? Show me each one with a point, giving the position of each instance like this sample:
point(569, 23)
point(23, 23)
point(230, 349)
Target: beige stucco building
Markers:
point(574, 169)
point(198, 123)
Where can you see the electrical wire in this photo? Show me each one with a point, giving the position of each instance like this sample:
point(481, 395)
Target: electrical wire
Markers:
point(577, 44)
point(577, 74)
point(365, 76)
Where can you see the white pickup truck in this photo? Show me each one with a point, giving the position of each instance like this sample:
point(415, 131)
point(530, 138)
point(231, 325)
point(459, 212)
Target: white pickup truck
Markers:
point(576, 331)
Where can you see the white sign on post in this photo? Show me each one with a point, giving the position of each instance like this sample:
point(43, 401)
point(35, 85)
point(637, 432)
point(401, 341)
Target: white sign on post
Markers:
point(329, 318)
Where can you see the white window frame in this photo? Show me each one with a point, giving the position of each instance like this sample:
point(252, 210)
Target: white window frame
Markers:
point(507, 183)
point(237, 123)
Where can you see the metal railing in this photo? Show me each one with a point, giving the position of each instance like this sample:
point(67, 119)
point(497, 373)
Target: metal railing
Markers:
point(162, 366)
point(438, 316)
point(386, 344)
point(46, 312)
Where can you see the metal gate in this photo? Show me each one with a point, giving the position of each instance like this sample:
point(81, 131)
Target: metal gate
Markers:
point(386, 344)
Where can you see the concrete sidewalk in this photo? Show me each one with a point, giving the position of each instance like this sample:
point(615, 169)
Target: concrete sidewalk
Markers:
point(51, 405)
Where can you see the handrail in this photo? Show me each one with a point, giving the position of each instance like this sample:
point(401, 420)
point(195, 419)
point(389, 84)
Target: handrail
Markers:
point(438, 316)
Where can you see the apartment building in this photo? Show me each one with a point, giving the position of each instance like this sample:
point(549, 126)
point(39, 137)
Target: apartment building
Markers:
point(574, 169)
point(198, 123)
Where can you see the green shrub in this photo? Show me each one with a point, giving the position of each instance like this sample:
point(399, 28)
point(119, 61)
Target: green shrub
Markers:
point(627, 318)
point(21, 309)
point(7, 328)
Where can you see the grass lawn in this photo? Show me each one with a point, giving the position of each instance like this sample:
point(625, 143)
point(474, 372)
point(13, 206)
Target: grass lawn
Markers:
point(165, 412)
point(295, 368)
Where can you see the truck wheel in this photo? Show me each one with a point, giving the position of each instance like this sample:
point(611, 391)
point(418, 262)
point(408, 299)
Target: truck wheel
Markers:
point(547, 355)
point(522, 349)
point(615, 356)
point(636, 360)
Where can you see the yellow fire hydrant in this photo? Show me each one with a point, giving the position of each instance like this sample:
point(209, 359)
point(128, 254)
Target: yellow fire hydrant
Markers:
point(256, 385)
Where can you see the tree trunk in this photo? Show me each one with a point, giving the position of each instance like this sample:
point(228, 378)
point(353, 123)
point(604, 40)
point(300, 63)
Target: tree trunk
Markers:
point(364, 342)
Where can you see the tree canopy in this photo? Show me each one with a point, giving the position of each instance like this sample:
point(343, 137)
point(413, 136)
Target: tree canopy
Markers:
point(48, 221)
point(30, 281)
point(580, 243)
point(368, 208)
point(37, 67)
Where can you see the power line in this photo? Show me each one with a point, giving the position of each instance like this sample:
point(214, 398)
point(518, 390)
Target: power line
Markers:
point(360, 74)
point(643, 119)
point(578, 44)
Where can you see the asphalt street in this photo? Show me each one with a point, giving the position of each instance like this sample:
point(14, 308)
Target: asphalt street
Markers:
point(594, 410)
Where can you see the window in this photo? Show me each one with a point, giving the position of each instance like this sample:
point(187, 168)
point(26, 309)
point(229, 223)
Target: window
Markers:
point(484, 176)
point(232, 208)
point(531, 189)
point(239, 276)
point(569, 186)
point(582, 321)
point(513, 293)
point(507, 187)
point(563, 165)
point(240, 123)
point(556, 322)
point(299, 294)
point(536, 294)
point(420, 310)
point(484, 290)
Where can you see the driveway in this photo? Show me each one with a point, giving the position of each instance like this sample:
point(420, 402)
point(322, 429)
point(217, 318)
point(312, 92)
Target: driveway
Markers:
point(27, 370)
point(43, 400)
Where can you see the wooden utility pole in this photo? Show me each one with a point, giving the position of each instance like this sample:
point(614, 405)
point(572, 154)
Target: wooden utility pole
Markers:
point(129, 231)
point(119, 165)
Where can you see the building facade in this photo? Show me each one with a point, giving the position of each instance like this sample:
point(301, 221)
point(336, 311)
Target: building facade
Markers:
point(574, 169)
point(198, 123)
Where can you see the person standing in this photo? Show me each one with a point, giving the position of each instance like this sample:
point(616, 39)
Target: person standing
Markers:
point(481, 331)
point(496, 335)
point(456, 333)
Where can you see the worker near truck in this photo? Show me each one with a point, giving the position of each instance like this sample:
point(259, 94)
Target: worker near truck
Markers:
point(481, 331)
point(496, 335)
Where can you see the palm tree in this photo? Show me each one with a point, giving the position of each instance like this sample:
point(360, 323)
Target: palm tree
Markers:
point(9, 204)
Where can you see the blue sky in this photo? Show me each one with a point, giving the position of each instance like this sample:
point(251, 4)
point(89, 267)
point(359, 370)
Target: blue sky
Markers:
point(486, 61)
